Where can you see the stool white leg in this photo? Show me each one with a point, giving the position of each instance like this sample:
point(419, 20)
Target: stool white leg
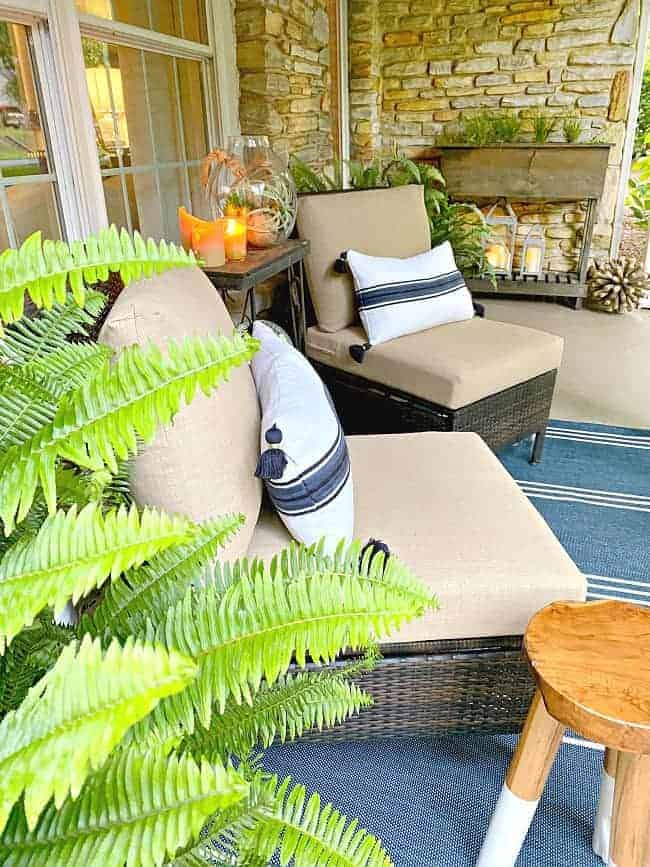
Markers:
point(529, 768)
point(603, 825)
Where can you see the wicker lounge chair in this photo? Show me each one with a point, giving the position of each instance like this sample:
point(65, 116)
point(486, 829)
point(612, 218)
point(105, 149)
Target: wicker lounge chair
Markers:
point(441, 501)
point(492, 378)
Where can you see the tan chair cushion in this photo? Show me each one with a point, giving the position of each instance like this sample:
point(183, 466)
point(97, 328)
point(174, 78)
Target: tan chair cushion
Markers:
point(202, 464)
point(390, 222)
point(451, 365)
point(445, 505)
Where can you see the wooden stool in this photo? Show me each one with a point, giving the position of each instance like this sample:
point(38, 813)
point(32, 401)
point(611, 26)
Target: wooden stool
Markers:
point(591, 662)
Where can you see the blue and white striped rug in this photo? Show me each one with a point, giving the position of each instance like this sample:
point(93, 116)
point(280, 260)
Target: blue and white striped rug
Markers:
point(431, 799)
point(593, 488)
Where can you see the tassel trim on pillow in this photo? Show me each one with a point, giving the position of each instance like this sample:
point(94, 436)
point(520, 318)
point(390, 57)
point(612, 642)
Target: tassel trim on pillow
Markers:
point(341, 264)
point(271, 465)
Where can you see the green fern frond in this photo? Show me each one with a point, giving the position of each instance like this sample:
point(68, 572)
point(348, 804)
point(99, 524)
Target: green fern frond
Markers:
point(101, 422)
point(26, 407)
point(149, 591)
point(30, 656)
point(44, 269)
point(251, 632)
point(30, 340)
point(74, 552)
point(159, 803)
point(308, 834)
point(70, 367)
point(73, 718)
point(293, 705)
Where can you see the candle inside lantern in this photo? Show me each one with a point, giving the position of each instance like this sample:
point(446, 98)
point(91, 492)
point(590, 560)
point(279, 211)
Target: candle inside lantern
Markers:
point(208, 242)
point(497, 256)
point(533, 260)
point(235, 238)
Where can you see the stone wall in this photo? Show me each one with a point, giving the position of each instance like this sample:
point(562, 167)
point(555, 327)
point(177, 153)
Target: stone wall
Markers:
point(417, 67)
point(283, 58)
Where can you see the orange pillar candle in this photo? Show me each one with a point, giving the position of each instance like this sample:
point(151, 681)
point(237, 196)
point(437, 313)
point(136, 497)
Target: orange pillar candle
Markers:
point(186, 223)
point(235, 238)
point(208, 243)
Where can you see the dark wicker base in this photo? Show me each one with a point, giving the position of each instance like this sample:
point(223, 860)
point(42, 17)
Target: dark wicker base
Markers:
point(476, 685)
point(367, 407)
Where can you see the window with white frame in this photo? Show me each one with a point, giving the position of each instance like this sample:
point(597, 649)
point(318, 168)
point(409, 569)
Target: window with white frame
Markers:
point(28, 191)
point(127, 111)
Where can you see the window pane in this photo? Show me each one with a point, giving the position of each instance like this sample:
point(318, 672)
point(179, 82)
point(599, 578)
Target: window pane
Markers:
point(198, 201)
point(182, 18)
point(192, 101)
point(33, 207)
point(28, 198)
point(151, 131)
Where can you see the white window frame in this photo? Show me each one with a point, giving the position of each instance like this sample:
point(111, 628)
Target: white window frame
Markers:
point(57, 30)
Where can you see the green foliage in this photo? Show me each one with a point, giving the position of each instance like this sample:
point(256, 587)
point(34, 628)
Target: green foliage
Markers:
point(543, 126)
point(74, 552)
point(146, 827)
point(101, 421)
point(73, 718)
point(638, 199)
point(308, 180)
point(462, 224)
point(296, 819)
point(507, 127)
point(47, 270)
point(119, 731)
point(643, 123)
point(152, 589)
point(572, 129)
point(479, 129)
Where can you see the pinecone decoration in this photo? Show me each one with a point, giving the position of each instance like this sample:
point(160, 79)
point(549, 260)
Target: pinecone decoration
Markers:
point(616, 285)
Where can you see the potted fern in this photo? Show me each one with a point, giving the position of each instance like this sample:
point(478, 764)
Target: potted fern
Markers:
point(129, 737)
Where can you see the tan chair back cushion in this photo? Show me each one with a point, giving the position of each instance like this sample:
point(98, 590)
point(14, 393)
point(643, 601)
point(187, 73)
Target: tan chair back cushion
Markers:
point(202, 464)
point(390, 222)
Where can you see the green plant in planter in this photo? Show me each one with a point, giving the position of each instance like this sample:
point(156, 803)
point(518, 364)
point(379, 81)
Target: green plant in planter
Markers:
point(543, 126)
point(572, 128)
point(507, 127)
point(128, 738)
point(460, 223)
point(478, 130)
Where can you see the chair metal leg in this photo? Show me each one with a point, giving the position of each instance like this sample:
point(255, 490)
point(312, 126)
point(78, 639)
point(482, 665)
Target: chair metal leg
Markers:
point(538, 446)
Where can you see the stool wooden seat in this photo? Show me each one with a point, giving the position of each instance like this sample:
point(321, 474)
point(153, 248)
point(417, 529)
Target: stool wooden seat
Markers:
point(591, 662)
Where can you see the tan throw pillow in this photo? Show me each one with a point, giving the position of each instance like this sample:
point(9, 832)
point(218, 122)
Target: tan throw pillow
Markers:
point(391, 222)
point(202, 464)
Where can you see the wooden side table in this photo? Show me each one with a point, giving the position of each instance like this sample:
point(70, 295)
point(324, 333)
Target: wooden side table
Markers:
point(260, 265)
point(591, 662)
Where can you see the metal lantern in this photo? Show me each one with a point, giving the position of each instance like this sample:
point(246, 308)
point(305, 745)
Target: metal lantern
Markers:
point(532, 255)
point(500, 245)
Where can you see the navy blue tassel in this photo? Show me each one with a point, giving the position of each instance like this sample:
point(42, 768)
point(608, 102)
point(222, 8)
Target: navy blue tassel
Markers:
point(376, 546)
point(479, 309)
point(358, 351)
point(273, 436)
point(271, 465)
point(341, 264)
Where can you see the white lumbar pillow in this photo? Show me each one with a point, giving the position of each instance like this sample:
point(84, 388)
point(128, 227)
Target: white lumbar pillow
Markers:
point(402, 296)
point(304, 462)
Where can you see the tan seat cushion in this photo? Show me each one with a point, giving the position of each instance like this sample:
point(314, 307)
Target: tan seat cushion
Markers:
point(202, 464)
point(445, 505)
point(451, 365)
point(390, 222)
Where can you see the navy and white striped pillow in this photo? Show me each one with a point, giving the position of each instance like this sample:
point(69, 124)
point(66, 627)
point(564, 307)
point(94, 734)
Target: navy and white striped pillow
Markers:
point(402, 296)
point(304, 461)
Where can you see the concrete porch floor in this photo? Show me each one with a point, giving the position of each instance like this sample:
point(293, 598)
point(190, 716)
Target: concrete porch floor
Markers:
point(605, 375)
